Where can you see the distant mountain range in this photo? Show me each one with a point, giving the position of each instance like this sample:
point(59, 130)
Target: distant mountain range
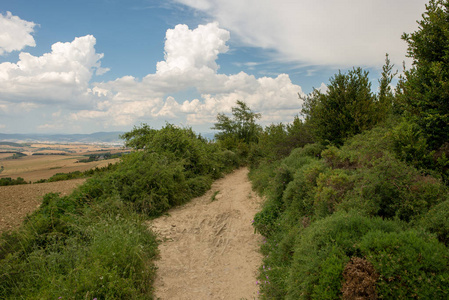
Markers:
point(111, 138)
point(97, 137)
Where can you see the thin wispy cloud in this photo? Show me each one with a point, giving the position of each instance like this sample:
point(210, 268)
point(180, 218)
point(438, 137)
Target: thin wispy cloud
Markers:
point(323, 33)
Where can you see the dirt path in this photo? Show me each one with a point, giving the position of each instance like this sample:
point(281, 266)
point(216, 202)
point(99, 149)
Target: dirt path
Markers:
point(17, 201)
point(210, 250)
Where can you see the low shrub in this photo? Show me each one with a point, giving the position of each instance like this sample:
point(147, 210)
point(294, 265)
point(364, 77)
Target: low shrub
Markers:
point(323, 250)
point(436, 221)
point(261, 177)
point(298, 197)
point(151, 182)
point(323, 206)
point(106, 255)
point(390, 189)
point(411, 264)
point(9, 181)
point(331, 188)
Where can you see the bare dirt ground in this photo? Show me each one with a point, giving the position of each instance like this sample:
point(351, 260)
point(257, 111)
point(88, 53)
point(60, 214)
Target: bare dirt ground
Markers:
point(209, 248)
point(33, 168)
point(17, 201)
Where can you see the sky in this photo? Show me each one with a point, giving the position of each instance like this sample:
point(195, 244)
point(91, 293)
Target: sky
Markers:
point(108, 65)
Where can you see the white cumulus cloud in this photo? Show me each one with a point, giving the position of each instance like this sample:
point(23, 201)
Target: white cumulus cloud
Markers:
point(191, 62)
point(320, 32)
point(15, 33)
point(196, 49)
point(57, 86)
point(62, 75)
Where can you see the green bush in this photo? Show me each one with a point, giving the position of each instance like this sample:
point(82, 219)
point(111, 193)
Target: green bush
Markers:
point(436, 221)
point(390, 188)
point(287, 188)
point(332, 186)
point(382, 185)
point(151, 182)
point(262, 175)
point(318, 211)
point(198, 156)
point(410, 145)
point(9, 181)
point(411, 264)
point(298, 197)
point(324, 248)
point(99, 251)
point(277, 141)
point(229, 160)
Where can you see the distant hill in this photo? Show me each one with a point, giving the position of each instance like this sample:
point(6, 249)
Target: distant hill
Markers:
point(97, 137)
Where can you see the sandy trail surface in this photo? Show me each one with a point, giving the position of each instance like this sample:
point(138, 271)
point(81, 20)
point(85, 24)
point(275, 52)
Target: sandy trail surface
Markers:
point(209, 248)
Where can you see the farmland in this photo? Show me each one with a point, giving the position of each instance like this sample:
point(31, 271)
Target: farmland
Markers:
point(41, 161)
point(17, 201)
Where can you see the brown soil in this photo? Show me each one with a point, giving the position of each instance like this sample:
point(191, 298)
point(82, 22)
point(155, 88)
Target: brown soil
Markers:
point(17, 201)
point(34, 168)
point(209, 248)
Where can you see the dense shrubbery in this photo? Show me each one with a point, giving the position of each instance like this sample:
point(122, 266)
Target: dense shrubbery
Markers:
point(74, 250)
point(9, 181)
point(100, 156)
point(320, 213)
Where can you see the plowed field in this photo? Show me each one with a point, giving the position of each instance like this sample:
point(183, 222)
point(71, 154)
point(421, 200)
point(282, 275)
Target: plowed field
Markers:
point(17, 201)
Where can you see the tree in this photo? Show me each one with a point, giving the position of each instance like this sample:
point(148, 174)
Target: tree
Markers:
point(385, 97)
point(426, 89)
point(346, 109)
point(240, 127)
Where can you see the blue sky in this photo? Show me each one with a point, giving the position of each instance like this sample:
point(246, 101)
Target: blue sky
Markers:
point(106, 65)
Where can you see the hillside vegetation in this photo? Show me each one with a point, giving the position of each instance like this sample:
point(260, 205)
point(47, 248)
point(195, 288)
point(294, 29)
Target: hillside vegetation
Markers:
point(363, 211)
point(93, 243)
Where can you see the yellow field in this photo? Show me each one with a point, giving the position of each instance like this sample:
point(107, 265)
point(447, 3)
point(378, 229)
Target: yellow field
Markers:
point(5, 155)
point(35, 167)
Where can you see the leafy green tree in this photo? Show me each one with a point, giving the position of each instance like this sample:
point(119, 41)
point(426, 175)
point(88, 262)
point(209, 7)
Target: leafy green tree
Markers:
point(346, 109)
point(139, 137)
point(241, 126)
point(426, 89)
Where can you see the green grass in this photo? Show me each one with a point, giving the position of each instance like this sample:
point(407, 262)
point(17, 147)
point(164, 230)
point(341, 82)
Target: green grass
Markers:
point(214, 195)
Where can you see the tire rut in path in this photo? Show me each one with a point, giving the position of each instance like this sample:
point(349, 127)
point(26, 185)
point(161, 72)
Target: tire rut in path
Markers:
point(209, 248)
